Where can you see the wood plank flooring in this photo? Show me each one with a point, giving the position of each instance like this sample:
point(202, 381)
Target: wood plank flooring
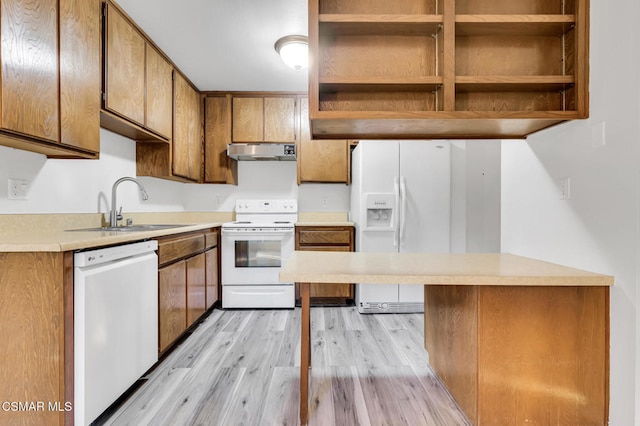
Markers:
point(241, 367)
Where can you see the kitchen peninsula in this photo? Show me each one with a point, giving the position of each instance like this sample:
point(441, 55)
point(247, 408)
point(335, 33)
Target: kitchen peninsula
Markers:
point(514, 339)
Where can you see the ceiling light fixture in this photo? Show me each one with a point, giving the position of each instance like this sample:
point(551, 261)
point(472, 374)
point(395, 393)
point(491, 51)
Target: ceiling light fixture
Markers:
point(294, 51)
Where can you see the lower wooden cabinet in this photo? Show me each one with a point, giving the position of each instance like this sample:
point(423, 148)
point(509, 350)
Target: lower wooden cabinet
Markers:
point(188, 282)
point(172, 300)
point(195, 287)
point(212, 295)
point(327, 238)
point(36, 330)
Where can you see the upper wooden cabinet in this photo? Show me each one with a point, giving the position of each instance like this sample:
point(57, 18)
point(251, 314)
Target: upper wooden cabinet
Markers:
point(264, 119)
point(50, 82)
point(181, 158)
point(187, 132)
point(321, 160)
point(446, 69)
point(124, 67)
point(138, 98)
point(159, 89)
point(218, 167)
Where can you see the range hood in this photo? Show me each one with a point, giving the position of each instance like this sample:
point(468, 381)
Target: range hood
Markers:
point(262, 151)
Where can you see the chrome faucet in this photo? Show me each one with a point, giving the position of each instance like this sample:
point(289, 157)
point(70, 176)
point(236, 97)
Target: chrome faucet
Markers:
point(115, 215)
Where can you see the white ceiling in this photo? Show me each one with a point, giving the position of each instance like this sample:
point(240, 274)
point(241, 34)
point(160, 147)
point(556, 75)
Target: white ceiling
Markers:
point(225, 45)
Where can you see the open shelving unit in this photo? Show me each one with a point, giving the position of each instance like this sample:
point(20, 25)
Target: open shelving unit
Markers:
point(446, 68)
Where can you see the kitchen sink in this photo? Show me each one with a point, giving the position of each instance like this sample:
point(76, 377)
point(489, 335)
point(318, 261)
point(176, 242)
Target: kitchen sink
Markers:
point(131, 228)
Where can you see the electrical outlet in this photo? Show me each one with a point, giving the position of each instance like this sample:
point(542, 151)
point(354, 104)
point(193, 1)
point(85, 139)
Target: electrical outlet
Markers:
point(564, 188)
point(218, 201)
point(17, 189)
point(325, 201)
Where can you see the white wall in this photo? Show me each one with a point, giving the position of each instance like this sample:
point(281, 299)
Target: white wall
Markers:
point(597, 228)
point(267, 179)
point(475, 196)
point(84, 186)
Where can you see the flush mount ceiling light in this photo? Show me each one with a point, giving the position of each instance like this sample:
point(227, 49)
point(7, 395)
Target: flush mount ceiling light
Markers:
point(293, 49)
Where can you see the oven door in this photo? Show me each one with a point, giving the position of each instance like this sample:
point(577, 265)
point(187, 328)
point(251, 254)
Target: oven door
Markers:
point(255, 257)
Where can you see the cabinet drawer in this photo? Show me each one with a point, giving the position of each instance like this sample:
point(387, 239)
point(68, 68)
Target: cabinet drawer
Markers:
point(179, 247)
point(325, 237)
point(211, 239)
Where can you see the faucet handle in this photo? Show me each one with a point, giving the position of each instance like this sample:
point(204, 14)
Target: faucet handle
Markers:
point(119, 214)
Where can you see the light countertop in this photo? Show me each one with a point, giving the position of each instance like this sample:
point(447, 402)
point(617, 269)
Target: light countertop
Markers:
point(63, 240)
point(51, 232)
point(433, 269)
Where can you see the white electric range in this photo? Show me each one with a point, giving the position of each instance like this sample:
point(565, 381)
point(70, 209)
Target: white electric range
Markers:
point(254, 248)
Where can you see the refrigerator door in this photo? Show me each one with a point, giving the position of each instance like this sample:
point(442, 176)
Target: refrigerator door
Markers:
point(375, 168)
point(425, 206)
point(425, 168)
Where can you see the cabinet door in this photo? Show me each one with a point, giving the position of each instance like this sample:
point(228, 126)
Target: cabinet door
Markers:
point(172, 303)
point(330, 290)
point(279, 120)
point(80, 74)
point(327, 238)
point(211, 277)
point(248, 119)
point(125, 62)
point(159, 87)
point(320, 160)
point(195, 288)
point(29, 54)
point(218, 167)
point(187, 147)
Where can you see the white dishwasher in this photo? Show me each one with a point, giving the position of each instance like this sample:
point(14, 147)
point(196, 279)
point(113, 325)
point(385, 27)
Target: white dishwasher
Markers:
point(115, 323)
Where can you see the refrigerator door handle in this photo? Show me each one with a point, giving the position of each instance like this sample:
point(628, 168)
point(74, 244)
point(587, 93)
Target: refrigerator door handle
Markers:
point(403, 208)
point(396, 214)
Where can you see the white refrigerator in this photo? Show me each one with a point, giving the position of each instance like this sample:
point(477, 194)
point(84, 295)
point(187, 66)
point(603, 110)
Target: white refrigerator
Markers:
point(400, 202)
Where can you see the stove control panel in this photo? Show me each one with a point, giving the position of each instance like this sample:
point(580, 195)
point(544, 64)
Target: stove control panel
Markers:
point(267, 206)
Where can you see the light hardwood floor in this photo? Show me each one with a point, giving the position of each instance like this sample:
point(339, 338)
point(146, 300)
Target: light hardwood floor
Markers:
point(241, 367)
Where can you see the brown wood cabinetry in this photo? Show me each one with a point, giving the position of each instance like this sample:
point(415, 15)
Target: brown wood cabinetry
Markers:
point(138, 97)
point(188, 279)
point(36, 329)
point(327, 238)
point(172, 303)
point(448, 69)
point(187, 134)
point(320, 160)
point(264, 119)
point(50, 84)
point(196, 271)
point(218, 167)
point(159, 90)
point(180, 159)
point(513, 354)
point(212, 292)
point(124, 67)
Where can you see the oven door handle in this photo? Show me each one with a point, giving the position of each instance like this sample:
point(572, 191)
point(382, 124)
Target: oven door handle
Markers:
point(274, 233)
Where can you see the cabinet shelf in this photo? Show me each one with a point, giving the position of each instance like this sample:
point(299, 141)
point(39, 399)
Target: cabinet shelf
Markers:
point(360, 24)
point(380, 84)
point(547, 83)
point(514, 25)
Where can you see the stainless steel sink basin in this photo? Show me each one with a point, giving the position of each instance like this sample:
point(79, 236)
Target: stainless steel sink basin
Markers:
point(131, 228)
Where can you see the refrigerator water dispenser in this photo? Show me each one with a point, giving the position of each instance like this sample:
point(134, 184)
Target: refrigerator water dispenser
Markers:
point(379, 210)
